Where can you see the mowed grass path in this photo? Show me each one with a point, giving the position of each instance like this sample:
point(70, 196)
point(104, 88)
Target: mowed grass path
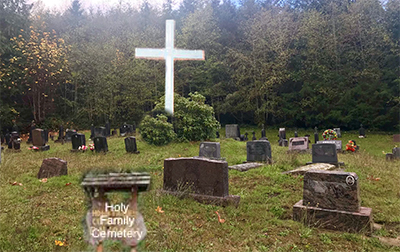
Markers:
point(34, 215)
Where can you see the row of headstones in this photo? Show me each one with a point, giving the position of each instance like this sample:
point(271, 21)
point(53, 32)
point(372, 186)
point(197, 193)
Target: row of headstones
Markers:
point(100, 143)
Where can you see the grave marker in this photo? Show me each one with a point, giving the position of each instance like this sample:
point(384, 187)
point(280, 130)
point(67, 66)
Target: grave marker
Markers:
point(68, 134)
point(100, 144)
point(39, 139)
point(259, 151)
point(331, 200)
point(316, 136)
point(100, 132)
point(52, 167)
point(338, 132)
point(298, 144)
point(232, 131)
point(337, 143)
point(130, 145)
point(210, 150)
point(361, 131)
point(77, 141)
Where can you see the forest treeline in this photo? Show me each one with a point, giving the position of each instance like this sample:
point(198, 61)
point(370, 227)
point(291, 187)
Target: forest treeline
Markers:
point(293, 63)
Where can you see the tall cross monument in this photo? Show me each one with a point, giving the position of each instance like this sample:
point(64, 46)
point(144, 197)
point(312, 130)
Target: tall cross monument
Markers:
point(169, 54)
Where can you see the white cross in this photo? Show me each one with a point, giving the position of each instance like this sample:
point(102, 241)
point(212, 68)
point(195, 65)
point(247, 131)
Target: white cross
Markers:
point(169, 53)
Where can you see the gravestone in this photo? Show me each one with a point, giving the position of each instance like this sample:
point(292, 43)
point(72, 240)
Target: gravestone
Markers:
point(325, 153)
point(68, 134)
point(39, 139)
point(361, 131)
point(282, 137)
point(254, 136)
point(131, 229)
point(130, 145)
point(331, 199)
point(396, 138)
point(259, 151)
point(295, 133)
point(31, 128)
point(52, 167)
point(232, 131)
point(205, 180)
point(77, 141)
point(8, 140)
point(210, 150)
point(241, 138)
point(100, 144)
point(15, 141)
point(125, 128)
point(245, 136)
point(337, 143)
point(217, 134)
point(100, 132)
point(316, 136)
point(92, 131)
point(298, 144)
point(108, 129)
point(263, 132)
point(60, 134)
point(46, 135)
point(394, 155)
point(338, 132)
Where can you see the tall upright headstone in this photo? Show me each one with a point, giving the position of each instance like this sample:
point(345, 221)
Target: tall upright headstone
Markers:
point(169, 54)
point(282, 137)
point(108, 128)
point(31, 128)
point(361, 131)
point(232, 131)
point(39, 139)
point(100, 144)
point(78, 140)
point(316, 136)
point(130, 145)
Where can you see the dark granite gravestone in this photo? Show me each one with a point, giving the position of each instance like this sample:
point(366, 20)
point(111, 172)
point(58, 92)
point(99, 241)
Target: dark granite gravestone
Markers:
point(124, 129)
point(39, 139)
point(46, 135)
point(8, 140)
point(204, 180)
point(331, 199)
point(15, 141)
point(52, 167)
point(396, 138)
point(324, 153)
point(259, 151)
point(96, 187)
point(77, 141)
point(241, 138)
point(245, 136)
point(100, 144)
point(68, 134)
point(337, 143)
point(361, 131)
point(254, 136)
point(298, 144)
point(132, 128)
point(60, 134)
point(31, 128)
point(232, 131)
point(108, 129)
point(100, 132)
point(338, 132)
point(263, 132)
point(210, 150)
point(217, 134)
point(316, 136)
point(92, 131)
point(130, 145)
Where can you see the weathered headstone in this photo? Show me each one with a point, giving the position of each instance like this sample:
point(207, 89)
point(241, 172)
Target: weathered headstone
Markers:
point(246, 136)
point(100, 144)
point(254, 136)
point(316, 136)
point(68, 134)
point(52, 167)
point(259, 151)
point(241, 138)
point(396, 138)
point(282, 138)
point(77, 141)
point(210, 150)
point(325, 153)
point(100, 132)
point(129, 226)
point(331, 199)
point(232, 131)
point(130, 145)
point(298, 144)
point(337, 143)
point(60, 134)
point(39, 139)
point(108, 129)
point(204, 180)
point(361, 131)
point(396, 152)
point(338, 132)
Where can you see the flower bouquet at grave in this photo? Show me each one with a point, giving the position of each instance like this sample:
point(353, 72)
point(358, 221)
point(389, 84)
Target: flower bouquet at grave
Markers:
point(351, 146)
point(329, 134)
point(35, 148)
point(91, 147)
point(83, 148)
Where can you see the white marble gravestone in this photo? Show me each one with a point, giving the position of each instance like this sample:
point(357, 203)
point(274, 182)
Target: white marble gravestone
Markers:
point(169, 54)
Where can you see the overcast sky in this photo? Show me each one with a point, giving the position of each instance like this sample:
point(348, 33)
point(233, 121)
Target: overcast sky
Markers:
point(61, 5)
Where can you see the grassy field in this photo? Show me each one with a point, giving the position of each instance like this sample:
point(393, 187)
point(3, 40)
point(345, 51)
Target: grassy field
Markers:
point(34, 215)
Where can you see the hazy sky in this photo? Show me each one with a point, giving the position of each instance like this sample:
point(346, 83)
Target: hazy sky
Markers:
point(61, 5)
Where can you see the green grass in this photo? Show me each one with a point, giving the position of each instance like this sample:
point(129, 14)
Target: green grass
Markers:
point(34, 215)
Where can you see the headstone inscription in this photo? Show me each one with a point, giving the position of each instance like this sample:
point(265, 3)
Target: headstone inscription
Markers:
point(210, 150)
point(338, 132)
point(337, 143)
point(131, 229)
point(130, 145)
point(170, 54)
point(100, 144)
point(39, 139)
point(331, 199)
point(52, 167)
point(77, 141)
point(361, 131)
point(232, 131)
point(259, 151)
point(298, 144)
point(206, 178)
point(316, 136)
point(68, 134)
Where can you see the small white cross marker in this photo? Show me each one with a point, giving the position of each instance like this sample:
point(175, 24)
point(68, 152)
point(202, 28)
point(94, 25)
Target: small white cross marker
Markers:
point(169, 54)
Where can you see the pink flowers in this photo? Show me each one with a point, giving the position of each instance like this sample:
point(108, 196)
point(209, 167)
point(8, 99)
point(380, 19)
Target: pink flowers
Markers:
point(91, 147)
point(34, 148)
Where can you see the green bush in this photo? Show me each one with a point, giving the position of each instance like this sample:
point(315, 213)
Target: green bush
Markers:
point(193, 119)
point(157, 131)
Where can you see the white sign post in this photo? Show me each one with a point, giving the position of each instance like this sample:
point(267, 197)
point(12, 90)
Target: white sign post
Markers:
point(169, 54)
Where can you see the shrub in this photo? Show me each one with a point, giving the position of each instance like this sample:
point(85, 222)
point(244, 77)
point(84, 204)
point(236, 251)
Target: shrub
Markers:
point(157, 131)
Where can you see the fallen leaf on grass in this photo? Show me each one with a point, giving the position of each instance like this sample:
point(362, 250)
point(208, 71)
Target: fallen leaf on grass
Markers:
point(16, 183)
point(158, 210)
point(67, 184)
point(60, 243)
point(372, 178)
point(219, 218)
point(43, 180)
